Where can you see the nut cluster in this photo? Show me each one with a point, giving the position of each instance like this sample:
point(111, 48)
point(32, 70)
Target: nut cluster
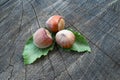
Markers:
point(65, 38)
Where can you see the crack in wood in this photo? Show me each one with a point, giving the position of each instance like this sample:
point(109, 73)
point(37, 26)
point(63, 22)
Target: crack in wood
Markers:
point(11, 73)
point(21, 17)
point(65, 64)
point(5, 2)
point(85, 72)
point(8, 14)
point(13, 43)
point(5, 19)
point(69, 66)
point(102, 20)
point(14, 40)
point(35, 14)
point(26, 72)
point(52, 67)
point(102, 69)
point(43, 70)
point(97, 46)
point(6, 68)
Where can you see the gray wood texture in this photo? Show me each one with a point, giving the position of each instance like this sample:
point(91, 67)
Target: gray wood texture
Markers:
point(97, 20)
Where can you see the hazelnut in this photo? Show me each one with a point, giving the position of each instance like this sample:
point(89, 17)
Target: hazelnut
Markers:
point(42, 38)
point(65, 38)
point(55, 23)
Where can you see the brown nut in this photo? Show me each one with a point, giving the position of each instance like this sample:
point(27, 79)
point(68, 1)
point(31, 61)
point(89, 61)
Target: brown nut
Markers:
point(42, 38)
point(65, 38)
point(55, 23)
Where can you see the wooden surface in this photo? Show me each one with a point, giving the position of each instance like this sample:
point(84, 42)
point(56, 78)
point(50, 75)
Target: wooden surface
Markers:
point(97, 20)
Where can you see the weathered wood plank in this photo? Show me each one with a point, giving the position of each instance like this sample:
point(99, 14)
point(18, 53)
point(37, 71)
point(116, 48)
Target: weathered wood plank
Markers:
point(98, 20)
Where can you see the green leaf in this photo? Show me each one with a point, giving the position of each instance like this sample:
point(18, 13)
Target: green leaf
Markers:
point(31, 52)
point(81, 44)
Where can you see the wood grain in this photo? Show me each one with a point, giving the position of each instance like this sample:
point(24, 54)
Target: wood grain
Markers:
point(97, 20)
